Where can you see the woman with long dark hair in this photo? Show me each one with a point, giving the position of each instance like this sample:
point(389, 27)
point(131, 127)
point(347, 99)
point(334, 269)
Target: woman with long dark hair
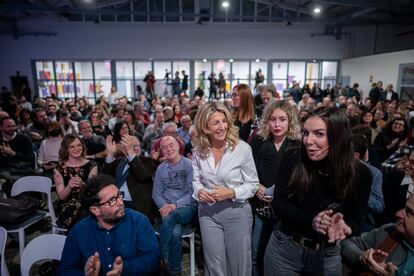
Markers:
point(391, 138)
point(136, 127)
point(321, 197)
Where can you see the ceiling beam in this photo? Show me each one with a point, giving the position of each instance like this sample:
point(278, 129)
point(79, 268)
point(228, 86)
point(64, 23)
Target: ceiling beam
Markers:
point(33, 8)
point(361, 12)
point(364, 4)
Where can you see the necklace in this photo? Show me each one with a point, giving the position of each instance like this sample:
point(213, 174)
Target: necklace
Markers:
point(321, 173)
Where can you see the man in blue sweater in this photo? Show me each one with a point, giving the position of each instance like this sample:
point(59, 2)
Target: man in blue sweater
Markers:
point(172, 194)
point(112, 239)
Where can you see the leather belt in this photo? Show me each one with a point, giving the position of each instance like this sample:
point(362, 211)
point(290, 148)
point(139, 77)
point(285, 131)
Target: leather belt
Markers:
point(305, 242)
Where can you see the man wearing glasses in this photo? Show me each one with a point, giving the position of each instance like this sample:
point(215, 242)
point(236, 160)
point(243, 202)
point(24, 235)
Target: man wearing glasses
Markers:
point(172, 194)
point(112, 239)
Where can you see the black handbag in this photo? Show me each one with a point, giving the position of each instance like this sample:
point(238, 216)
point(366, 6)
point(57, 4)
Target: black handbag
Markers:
point(18, 208)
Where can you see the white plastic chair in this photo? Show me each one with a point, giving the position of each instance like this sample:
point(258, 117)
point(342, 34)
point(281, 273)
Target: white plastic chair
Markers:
point(44, 247)
point(3, 240)
point(40, 184)
point(188, 232)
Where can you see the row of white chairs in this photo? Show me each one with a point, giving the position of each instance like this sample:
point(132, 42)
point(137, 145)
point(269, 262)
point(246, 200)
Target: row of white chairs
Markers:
point(44, 247)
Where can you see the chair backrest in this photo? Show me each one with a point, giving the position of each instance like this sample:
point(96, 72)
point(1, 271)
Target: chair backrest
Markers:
point(44, 247)
point(3, 240)
point(41, 184)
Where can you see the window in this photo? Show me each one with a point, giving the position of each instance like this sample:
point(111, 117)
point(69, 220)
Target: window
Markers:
point(406, 81)
point(202, 71)
point(329, 69)
point(45, 78)
point(125, 78)
point(296, 72)
point(84, 79)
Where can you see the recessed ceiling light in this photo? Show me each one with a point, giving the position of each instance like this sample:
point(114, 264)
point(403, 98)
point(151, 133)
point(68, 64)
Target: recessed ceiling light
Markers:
point(231, 60)
point(314, 60)
point(204, 60)
point(225, 4)
point(257, 60)
point(317, 10)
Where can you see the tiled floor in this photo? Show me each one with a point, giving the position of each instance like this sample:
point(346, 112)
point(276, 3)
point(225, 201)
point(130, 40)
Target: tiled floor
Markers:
point(13, 260)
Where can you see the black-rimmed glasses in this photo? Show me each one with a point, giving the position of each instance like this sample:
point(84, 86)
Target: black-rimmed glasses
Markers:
point(113, 200)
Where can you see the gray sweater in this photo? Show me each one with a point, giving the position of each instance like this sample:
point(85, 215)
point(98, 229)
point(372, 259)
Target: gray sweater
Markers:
point(354, 247)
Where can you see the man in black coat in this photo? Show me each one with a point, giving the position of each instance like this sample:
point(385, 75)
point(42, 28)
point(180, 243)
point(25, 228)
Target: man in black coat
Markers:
point(133, 174)
point(374, 93)
point(16, 154)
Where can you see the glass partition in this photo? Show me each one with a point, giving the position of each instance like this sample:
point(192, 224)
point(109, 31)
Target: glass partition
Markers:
point(45, 78)
point(202, 71)
point(296, 72)
point(329, 69)
point(94, 78)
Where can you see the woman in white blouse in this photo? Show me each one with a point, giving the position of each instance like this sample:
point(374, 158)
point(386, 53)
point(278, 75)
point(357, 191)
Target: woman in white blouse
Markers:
point(224, 178)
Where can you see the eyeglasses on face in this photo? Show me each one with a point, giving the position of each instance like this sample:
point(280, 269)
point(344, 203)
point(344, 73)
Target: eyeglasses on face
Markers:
point(113, 200)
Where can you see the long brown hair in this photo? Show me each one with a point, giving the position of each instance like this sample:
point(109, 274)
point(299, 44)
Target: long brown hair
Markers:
point(245, 112)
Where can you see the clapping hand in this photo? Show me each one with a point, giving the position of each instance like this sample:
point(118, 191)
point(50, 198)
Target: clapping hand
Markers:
point(322, 221)
point(110, 146)
point(117, 267)
point(75, 182)
point(375, 261)
point(332, 225)
point(127, 145)
point(338, 229)
point(93, 265)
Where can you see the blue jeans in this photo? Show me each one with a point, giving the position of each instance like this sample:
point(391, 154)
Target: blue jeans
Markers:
point(170, 235)
point(286, 257)
point(262, 230)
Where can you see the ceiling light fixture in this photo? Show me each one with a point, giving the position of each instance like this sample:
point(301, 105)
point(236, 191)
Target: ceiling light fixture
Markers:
point(317, 10)
point(225, 4)
point(204, 60)
point(231, 60)
point(257, 60)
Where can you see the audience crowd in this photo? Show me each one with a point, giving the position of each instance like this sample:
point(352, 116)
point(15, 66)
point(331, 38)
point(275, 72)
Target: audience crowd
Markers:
point(294, 181)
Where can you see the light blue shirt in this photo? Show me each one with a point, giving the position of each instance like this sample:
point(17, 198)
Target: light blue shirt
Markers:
point(173, 183)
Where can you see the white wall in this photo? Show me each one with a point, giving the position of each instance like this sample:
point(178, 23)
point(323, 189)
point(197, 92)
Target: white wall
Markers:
point(162, 41)
point(382, 67)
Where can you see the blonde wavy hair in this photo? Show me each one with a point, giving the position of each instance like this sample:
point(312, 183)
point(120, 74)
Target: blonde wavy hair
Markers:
point(202, 142)
point(293, 119)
